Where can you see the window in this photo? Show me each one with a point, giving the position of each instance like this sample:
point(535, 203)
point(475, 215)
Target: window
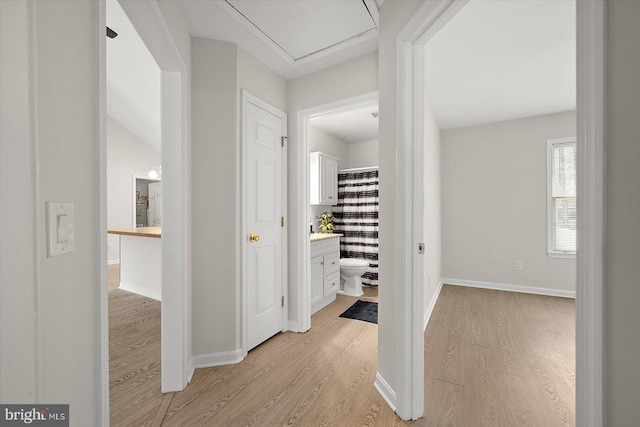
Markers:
point(561, 197)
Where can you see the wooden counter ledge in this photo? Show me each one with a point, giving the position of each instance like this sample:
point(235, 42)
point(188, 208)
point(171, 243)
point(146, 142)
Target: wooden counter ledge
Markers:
point(139, 231)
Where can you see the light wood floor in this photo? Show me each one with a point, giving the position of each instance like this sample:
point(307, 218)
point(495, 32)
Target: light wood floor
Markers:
point(498, 358)
point(134, 356)
point(492, 359)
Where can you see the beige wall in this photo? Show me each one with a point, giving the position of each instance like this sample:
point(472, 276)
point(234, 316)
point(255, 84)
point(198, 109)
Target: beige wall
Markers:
point(127, 155)
point(494, 185)
point(622, 270)
point(363, 154)
point(220, 71)
point(345, 80)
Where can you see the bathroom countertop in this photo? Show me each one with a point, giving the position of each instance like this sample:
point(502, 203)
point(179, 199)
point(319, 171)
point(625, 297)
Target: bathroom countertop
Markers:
point(138, 231)
point(323, 236)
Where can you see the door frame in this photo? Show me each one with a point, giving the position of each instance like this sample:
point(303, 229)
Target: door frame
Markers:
point(591, 31)
point(246, 98)
point(177, 367)
point(303, 259)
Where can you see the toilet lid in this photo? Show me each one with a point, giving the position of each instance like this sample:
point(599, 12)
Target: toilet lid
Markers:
point(353, 262)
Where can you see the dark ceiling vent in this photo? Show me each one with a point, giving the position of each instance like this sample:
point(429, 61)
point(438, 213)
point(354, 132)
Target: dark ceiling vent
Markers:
point(111, 34)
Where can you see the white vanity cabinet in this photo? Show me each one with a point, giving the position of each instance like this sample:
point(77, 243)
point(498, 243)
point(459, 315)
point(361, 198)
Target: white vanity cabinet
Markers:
point(325, 272)
point(323, 179)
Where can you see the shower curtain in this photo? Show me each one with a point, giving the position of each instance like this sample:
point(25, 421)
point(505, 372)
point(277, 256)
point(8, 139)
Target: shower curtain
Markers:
point(357, 218)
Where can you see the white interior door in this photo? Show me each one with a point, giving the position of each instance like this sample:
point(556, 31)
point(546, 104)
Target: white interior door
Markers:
point(264, 250)
point(155, 204)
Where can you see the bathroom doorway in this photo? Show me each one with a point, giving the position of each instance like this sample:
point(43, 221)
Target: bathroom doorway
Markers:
point(340, 144)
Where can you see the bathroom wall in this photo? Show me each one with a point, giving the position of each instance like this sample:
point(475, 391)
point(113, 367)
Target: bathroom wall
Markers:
point(127, 155)
point(319, 140)
point(494, 186)
point(363, 154)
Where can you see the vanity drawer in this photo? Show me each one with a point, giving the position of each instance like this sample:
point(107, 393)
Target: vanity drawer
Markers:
point(331, 284)
point(332, 263)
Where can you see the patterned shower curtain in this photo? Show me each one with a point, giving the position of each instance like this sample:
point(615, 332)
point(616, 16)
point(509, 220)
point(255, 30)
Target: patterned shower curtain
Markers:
point(357, 218)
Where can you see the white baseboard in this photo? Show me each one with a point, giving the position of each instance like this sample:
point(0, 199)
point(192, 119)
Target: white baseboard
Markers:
point(140, 291)
point(510, 288)
point(432, 304)
point(385, 391)
point(113, 261)
point(191, 368)
point(217, 359)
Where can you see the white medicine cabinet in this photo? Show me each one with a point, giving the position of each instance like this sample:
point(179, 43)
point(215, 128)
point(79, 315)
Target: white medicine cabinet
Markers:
point(323, 179)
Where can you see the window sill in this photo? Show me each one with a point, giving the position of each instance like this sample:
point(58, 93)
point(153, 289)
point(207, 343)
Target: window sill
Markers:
point(562, 255)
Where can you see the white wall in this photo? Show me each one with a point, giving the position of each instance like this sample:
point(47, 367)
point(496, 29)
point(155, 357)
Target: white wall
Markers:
point(394, 15)
point(179, 28)
point(363, 154)
point(432, 207)
point(55, 313)
point(127, 155)
point(494, 184)
point(319, 140)
point(345, 80)
point(214, 80)
point(50, 156)
point(622, 269)
point(220, 71)
point(18, 211)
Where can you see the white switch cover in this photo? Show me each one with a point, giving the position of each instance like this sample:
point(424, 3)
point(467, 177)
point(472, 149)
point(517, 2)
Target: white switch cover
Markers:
point(519, 265)
point(60, 224)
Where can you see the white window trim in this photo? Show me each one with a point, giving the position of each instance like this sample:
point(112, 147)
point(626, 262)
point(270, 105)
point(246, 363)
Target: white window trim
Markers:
point(550, 249)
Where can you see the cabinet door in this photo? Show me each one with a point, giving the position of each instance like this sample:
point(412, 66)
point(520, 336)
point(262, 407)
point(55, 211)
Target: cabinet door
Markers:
point(332, 182)
point(324, 180)
point(317, 280)
point(328, 180)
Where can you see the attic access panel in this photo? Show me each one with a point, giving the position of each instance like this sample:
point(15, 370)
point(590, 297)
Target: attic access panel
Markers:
point(302, 28)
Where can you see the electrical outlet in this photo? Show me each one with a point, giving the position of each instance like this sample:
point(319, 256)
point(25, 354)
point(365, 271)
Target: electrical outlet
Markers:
point(519, 265)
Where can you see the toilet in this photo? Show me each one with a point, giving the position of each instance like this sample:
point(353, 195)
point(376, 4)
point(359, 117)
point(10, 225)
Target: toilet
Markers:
point(351, 271)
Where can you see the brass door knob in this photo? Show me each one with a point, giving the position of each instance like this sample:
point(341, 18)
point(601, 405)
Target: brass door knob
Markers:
point(254, 237)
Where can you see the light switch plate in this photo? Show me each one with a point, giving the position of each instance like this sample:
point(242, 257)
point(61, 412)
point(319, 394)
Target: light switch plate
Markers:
point(60, 228)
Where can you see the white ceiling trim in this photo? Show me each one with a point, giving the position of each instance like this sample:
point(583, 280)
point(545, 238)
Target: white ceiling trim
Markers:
point(369, 35)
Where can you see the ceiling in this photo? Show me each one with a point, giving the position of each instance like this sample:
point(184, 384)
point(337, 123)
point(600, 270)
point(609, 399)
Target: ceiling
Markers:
point(291, 37)
point(500, 60)
point(133, 79)
point(351, 126)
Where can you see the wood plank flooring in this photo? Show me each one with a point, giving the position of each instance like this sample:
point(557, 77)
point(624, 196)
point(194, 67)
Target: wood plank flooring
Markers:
point(134, 356)
point(498, 358)
point(493, 358)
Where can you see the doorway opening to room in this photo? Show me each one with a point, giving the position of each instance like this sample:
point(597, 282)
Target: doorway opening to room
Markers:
point(507, 131)
point(144, 330)
point(340, 143)
point(134, 221)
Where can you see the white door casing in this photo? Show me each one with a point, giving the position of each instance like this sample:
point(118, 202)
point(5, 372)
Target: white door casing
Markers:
point(263, 210)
